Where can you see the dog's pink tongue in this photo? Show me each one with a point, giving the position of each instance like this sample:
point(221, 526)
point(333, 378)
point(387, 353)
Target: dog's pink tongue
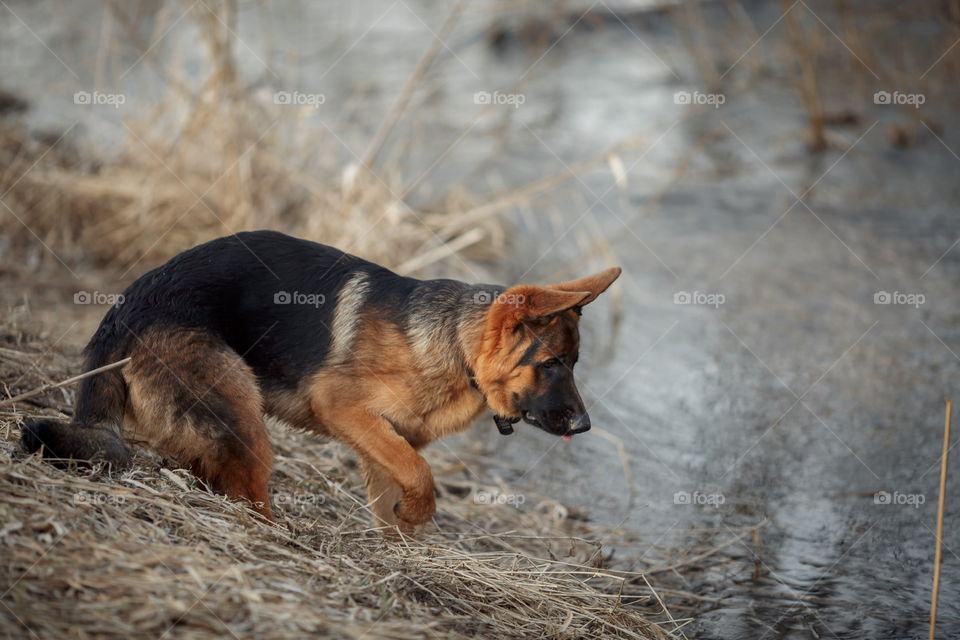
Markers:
point(567, 438)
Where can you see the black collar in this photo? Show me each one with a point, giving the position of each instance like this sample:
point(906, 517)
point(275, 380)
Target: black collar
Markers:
point(504, 425)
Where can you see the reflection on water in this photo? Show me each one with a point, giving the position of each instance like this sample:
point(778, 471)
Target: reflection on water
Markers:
point(753, 374)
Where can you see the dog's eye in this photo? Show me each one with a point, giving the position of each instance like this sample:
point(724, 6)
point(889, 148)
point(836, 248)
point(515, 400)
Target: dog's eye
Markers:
point(549, 364)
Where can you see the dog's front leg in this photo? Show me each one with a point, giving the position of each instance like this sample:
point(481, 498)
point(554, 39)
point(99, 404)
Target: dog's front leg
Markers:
point(390, 458)
point(382, 492)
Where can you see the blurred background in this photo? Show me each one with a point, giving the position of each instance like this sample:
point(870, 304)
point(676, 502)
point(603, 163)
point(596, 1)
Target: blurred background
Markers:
point(778, 180)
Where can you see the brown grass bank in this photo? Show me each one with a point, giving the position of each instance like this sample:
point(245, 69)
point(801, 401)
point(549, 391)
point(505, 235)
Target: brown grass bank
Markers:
point(151, 552)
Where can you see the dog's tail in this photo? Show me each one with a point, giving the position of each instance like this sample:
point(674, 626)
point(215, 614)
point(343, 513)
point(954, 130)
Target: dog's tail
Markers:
point(94, 433)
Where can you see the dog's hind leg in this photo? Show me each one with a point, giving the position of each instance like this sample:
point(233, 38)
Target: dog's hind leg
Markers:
point(193, 398)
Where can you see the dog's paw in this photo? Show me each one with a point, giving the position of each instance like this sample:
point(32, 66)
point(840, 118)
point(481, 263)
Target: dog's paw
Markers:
point(415, 509)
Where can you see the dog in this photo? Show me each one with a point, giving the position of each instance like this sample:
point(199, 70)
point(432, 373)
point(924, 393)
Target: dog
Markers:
point(261, 323)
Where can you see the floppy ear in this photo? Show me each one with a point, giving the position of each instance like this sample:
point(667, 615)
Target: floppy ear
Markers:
point(595, 284)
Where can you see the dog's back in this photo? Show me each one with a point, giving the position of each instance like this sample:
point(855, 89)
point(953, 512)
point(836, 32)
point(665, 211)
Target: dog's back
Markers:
point(270, 297)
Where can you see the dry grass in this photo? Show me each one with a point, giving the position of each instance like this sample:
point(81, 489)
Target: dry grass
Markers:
point(214, 156)
point(151, 551)
point(225, 173)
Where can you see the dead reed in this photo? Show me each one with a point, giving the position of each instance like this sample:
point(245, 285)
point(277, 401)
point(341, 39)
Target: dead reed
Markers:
point(213, 156)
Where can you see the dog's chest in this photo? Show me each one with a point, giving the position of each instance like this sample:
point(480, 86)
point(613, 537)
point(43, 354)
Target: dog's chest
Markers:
point(447, 409)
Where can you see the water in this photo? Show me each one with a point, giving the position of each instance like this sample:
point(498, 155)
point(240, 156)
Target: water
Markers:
point(789, 395)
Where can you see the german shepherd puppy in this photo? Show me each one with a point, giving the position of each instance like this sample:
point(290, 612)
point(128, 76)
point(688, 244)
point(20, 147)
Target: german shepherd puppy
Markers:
point(262, 323)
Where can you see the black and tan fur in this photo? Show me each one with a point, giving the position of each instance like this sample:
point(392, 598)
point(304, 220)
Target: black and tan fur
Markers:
point(384, 363)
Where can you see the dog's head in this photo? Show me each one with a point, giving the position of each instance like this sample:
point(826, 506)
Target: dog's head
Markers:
point(528, 349)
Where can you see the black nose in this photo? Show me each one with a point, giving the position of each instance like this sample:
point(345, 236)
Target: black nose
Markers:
point(579, 424)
